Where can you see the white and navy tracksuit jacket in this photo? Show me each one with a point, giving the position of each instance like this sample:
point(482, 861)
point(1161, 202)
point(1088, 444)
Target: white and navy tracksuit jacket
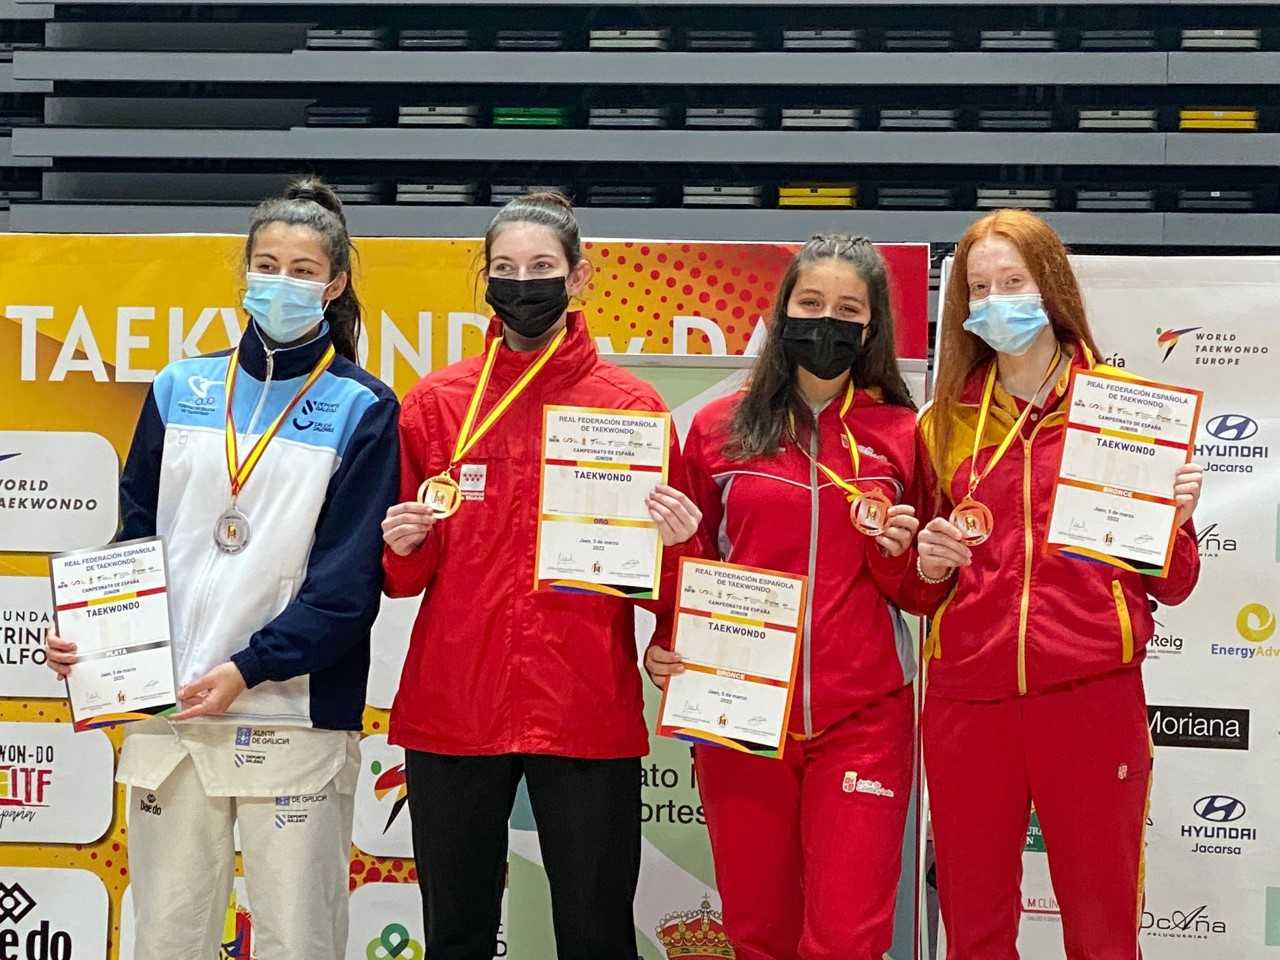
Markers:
point(293, 611)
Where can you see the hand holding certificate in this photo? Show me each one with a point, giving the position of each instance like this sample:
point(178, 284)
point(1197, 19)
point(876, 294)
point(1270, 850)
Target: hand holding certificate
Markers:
point(113, 604)
point(595, 530)
point(738, 631)
point(1125, 441)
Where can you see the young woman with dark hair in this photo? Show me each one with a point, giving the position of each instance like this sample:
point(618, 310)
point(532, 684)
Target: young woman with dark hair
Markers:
point(807, 848)
point(503, 681)
point(270, 520)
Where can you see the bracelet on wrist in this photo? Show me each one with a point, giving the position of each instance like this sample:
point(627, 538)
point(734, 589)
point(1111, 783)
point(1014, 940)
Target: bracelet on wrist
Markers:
point(928, 579)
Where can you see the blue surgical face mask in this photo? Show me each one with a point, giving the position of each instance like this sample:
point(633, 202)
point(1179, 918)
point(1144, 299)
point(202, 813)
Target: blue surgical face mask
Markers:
point(1009, 324)
point(284, 307)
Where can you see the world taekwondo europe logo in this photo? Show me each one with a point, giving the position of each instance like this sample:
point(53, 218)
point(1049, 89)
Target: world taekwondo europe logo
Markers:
point(1169, 339)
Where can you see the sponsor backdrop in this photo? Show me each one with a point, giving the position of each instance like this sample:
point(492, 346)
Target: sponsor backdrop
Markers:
point(1213, 833)
point(87, 322)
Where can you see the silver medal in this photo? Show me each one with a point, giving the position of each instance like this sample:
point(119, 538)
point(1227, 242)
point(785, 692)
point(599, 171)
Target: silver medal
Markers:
point(231, 532)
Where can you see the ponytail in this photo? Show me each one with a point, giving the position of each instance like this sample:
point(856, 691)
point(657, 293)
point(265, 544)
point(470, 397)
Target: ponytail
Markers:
point(310, 202)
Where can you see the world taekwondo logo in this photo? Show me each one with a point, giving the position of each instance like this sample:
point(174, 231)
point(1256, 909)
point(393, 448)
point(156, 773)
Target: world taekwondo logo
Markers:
point(1169, 339)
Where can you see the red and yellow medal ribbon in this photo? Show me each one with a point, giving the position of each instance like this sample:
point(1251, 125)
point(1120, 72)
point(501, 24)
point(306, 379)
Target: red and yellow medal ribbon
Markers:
point(238, 472)
point(855, 458)
point(466, 437)
point(988, 392)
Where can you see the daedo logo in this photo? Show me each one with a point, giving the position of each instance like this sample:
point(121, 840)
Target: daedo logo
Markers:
point(1230, 450)
point(1219, 831)
point(48, 914)
point(1206, 728)
point(43, 943)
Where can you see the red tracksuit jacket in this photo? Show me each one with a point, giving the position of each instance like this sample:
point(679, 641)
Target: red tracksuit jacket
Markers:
point(494, 667)
point(1021, 620)
point(780, 512)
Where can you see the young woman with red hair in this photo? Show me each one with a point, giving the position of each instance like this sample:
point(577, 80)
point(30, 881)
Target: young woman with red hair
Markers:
point(1034, 687)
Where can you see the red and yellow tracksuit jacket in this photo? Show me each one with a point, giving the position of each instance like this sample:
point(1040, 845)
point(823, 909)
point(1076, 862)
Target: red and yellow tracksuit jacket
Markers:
point(1020, 620)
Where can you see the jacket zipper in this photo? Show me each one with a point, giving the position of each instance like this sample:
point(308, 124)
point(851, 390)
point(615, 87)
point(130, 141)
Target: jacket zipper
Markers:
point(208, 580)
point(1029, 554)
point(813, 572)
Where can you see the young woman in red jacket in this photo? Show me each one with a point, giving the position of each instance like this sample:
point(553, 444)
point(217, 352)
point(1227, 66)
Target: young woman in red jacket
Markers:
point(501, 681)
point(807, 848)
point(1034, 683)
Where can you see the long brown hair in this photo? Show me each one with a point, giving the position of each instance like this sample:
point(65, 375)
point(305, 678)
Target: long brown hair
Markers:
point(761, 416)
point(964, 352)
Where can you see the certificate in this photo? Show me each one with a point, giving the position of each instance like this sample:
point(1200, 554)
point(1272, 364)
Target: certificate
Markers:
point(739, 631)
point(594, 529)
point(1125, 439)
point(113, 604)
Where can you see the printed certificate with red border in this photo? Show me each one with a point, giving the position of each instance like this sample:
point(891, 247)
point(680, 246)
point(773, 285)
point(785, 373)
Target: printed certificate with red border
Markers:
point(595, 533)
point(1125, 439)
point(113, 604)
point(739, 631)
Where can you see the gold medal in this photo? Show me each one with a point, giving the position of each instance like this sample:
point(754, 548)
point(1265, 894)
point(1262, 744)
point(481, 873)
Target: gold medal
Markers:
point(442, 495)
point(974, 521)
point(870, 513)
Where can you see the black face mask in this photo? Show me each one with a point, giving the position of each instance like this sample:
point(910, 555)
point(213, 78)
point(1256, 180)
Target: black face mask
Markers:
point(826, 347)
point(529, 307)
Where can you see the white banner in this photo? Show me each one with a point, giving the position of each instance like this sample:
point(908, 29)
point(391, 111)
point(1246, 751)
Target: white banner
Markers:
point(56, 786)
point(51, 914)
point(57, 490)
point(26, 612)
point(1213, 835)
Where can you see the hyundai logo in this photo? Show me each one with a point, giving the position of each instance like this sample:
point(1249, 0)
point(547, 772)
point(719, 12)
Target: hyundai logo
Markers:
point(1232, 427)
point(1219, 809)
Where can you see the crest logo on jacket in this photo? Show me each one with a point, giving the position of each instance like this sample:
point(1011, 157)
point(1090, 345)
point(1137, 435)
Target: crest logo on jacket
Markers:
point(199, 402)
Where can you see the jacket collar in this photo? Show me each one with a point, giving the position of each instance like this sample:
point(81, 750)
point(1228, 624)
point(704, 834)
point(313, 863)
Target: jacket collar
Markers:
point(287, 362)
point(971, 394)
point(576, 356)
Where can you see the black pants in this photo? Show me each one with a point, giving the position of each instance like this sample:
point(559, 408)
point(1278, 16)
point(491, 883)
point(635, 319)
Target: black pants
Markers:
point(588, 816)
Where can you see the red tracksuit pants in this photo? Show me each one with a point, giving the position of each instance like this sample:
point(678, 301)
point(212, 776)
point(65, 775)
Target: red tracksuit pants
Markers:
point(808, 848)
point(1082, 755)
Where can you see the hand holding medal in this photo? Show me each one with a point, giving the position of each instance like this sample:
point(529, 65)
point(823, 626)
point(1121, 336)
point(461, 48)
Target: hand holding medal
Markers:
point(972, 519)
point(407, 524)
